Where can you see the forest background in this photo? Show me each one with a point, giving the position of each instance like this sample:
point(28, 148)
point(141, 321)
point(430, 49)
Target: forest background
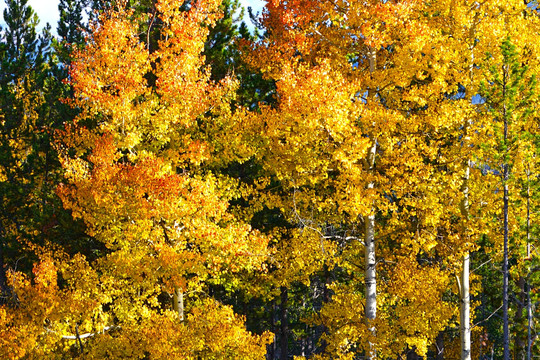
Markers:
point(340, 179)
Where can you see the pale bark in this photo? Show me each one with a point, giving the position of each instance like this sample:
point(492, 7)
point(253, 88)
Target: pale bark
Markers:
point(369, 236)
point(528, 286)
point(178, 303)
point(370, 274)
point(78, 336)
point(372, 58)
point(506, 332)
point(370, 262)
point(529, 321)
point(464, 286)
point(465, 303)
point(506, 173)
point(465, 311)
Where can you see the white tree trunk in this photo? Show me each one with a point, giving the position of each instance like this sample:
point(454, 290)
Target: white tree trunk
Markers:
point(370, 261)
point(178, 303)
point(372, 58)
point(465, 311)
point(464, 291)
point(371, 280)
point(369, 235)
point(370, 274)
point(528, 286)
point(465, 303)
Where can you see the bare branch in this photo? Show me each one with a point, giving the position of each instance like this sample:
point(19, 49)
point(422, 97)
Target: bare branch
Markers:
point(486, 319)
point(85, 335)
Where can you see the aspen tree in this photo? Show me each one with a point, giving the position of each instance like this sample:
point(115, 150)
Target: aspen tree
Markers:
point(138, 163)
point(354, 91)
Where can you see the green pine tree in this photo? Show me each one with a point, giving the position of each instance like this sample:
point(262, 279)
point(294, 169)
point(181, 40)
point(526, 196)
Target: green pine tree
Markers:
point(508, 94)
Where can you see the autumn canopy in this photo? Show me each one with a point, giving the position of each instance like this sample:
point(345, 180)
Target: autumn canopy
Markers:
point(339, 180)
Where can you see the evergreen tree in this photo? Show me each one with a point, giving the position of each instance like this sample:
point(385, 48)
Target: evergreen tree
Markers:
point(507, 98)
point(22, 68)
point(220, 50)
point(70, 29)
point(31, 87)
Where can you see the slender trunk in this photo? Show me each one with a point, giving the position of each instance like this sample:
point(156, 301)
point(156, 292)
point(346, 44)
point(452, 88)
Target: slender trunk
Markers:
point(527, 285)
point(440, 346)
point(369, 236)
point(465, 311)
point(370, 274)
point(178, 303)
point(370, 263)
point(372, 59)
point(304, 337)
point(284, 325)
point(3, 277)
point(519, 340)
point(529, 321)
point(81, 348)
point(272, 346)
point(506, 333)
point(465, 303)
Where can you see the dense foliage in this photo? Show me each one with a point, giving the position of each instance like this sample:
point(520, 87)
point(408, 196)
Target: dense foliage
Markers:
point(350, 180)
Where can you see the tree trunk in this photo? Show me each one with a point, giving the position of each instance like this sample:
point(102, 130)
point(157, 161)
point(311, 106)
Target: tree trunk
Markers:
point(440, 346)
point(506, 333)
point(284, 325)
point(4, 290)
point(3, 277)
point(529, 321)
point(465, 301)
point(370, 274)
point(272, 346)
point(178, 303)
point(372, 59)
point(369, 237)
point(527, 285)
point(465, 310)
point(412, 355)
point(519, 340)
point(370, 263)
